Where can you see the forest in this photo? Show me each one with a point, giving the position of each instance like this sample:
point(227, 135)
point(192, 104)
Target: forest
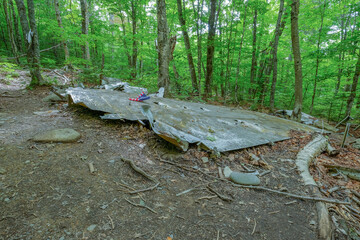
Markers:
point(283, 54)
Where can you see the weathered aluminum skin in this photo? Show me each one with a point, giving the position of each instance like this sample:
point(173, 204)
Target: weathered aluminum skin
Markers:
point(217, 128)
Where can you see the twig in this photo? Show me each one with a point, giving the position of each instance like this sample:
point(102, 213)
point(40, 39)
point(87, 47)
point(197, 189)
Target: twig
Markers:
point(327, 200)
point(254, 227)
point(145, 189)
point(143, 206)
point(43, 50)
point(112, 222)
point(264, 173)
point(138, 170)
point(291, 202)
point(221, 196)
point(218, 235)
point(206, 197)
point(183, 192)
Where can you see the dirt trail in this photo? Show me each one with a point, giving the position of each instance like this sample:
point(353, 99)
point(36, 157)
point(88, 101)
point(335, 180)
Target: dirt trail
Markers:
point(47, 191)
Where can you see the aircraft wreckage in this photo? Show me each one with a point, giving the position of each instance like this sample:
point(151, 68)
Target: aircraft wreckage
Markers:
point(182, 123)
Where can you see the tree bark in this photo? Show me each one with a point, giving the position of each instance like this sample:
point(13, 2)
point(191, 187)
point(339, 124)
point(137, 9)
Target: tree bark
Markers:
point(275, 59)
point(85, 29)
point(210, 49)
point(239, 56)
point(296, 114)
point(253, 59)
point(163, 47)
point(135, 42)
point(36, 77)
point(188, 47)
point(352, 96)
point(199, 40)
point(58, 18)
point(10, 31)
point(17, 36)
point(317, 59)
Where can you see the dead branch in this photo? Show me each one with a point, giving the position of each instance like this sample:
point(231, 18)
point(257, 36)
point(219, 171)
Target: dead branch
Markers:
point(43, 50)
point(221, 196)
point(139, 205)
point(138, 170)
point(145, 189)
point(317, 199)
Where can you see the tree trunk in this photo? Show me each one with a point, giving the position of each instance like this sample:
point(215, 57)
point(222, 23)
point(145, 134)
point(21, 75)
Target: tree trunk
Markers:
point(188, 47)
point(199, 40)
point(85, 29)
point(210, 49)
point(36, 76)
point(17, 36)
point(296, 114)
point(58, 18)
point(253, 60)
point(163, 47)
point(317, 59)
point(239, 56)
point(352, 96)
point(275, 60)
point(135, 43)
point(10, 32)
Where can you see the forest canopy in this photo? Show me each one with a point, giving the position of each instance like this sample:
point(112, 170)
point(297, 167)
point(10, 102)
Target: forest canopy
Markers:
point(218, 50)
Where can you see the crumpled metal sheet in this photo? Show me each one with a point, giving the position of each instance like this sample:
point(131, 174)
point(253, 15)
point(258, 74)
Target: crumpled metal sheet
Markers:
point(217, 128)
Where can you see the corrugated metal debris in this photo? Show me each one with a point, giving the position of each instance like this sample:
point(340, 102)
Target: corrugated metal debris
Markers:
point(217, 128)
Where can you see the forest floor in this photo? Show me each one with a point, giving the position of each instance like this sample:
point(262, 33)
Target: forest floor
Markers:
point(48, 192)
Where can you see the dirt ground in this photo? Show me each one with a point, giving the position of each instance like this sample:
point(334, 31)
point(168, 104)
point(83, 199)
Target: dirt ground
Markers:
point(48, 192)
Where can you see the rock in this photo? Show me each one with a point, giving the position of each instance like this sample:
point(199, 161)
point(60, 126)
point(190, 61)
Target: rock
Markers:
point(205, 159)
point(244, 178)
point(2, 170)
point(227, 172)
point(91, 227)
point(357, 144)
point(58, 135)
point(52, 98)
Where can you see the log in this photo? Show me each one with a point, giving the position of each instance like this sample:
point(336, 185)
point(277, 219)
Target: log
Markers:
point(303, 161)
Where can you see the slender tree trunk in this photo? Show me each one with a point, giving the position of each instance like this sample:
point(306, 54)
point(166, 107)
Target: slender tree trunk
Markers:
point(85, 29)
point(10, 32)
point(163, 47)
point(210, 49)
point(124, 40)
point(58, 18)
point(199, 39)
point(296, 115)
point(135, 42)
point(16, 27)
point(317, 59)
point(3, 37)
point(253, 60)
point(352, 96)
point(188, 47)
point(239, 56)
point(275, 59)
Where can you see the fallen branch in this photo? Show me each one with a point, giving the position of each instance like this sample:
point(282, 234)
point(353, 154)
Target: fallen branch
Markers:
point(139, 205)
point(317, 199)
point(138, 170)
point(145, 189)
point(221, 196)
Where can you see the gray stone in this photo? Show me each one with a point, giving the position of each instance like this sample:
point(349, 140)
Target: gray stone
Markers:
point(52, 98)
point(205, 159)
point(244, 178)
point(58, 135)
point(91, 227)
point(357, 144)
point(227, 172)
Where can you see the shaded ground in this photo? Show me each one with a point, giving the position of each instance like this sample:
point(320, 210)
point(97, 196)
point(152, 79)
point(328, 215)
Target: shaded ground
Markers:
point(47, 191)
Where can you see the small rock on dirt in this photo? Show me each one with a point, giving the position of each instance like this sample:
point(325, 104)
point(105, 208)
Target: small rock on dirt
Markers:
point(205, 159)
point(2, 170)
point(58, 135)
point(227, 172)
point(244, 178)
point(357, 144)
point(52, 98)
point(91, 227)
